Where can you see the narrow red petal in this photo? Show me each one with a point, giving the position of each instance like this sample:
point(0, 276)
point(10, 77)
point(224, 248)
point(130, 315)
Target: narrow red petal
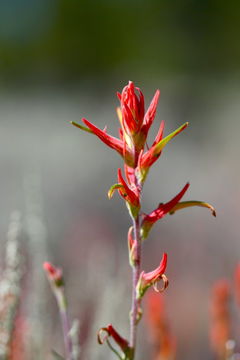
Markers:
point(159, 134)
point(141, 106)
point(151, 112)
point(109, 140)
point(128, 119)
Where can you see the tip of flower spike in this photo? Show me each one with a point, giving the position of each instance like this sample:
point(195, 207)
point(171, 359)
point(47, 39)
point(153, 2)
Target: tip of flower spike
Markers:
point(49, 268)
point(130, 84)
point(53, 273)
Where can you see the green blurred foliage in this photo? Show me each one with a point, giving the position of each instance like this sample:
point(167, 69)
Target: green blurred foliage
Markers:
point(77, 38)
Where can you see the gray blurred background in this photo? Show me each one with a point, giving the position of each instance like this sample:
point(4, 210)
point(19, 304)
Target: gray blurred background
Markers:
point(63, 60)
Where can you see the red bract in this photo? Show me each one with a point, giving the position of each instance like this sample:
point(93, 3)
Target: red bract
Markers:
point(150, 114)
point(151, 278)
point(160, 212)
point(111, 332)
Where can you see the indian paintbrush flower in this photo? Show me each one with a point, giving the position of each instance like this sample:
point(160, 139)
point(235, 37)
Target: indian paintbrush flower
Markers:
point(138, 158)
point(135, 125)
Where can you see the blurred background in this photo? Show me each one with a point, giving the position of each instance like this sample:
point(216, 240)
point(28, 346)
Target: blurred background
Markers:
point(64, 60)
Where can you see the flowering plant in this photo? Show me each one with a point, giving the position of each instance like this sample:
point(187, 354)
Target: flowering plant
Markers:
point(138, 158)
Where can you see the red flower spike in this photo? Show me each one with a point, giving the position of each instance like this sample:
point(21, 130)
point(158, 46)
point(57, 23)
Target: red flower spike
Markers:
point(134, 124)
point(131, 116)
point(150, 279)
point(129, 195)
point(163, 209)
point(54, 274)
point(111, 332)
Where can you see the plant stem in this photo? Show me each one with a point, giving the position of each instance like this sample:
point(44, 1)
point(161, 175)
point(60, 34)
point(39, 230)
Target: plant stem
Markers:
point(135, 277)
point(65, 322)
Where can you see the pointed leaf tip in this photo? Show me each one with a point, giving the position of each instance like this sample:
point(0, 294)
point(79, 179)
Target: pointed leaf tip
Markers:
point(163, 142)
point(84, 128)
point(113, 188)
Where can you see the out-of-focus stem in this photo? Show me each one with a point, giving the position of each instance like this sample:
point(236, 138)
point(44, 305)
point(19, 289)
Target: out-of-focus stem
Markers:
point(62, 305)
point(10, 286)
